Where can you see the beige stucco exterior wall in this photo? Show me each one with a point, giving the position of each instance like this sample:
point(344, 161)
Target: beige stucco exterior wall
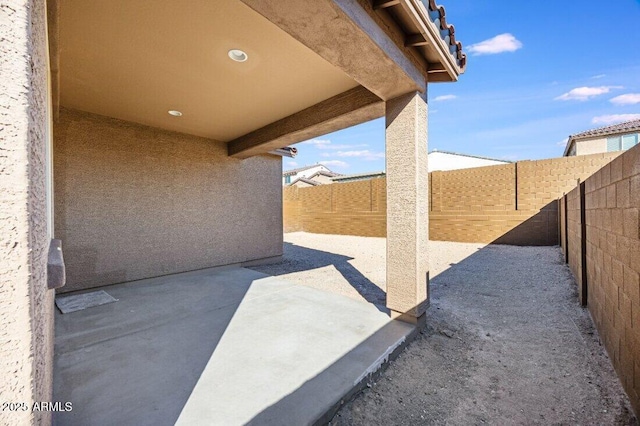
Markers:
point(591, 146)
point(407, 206)
point(26, 306)
point(134, 202)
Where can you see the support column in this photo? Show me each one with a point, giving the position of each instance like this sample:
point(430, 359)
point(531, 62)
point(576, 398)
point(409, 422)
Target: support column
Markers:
point(26, 303)
point(407, 207)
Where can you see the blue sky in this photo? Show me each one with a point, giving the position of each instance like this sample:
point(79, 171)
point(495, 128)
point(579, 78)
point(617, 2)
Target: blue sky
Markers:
point(537, 72)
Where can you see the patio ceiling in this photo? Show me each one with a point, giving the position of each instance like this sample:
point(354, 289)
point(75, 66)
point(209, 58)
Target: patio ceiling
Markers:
point(313, 67)
point(136, 60)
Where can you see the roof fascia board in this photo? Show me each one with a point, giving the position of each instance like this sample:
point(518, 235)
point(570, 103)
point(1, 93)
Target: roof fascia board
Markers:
point(568, 147)
point(419, 15)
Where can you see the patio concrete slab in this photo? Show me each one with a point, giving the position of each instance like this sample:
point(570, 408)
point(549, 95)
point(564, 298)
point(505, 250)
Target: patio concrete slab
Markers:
point(225, 346)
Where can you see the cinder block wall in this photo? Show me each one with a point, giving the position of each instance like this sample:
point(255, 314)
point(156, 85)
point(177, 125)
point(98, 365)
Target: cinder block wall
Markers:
point(506, 204)
point(26, 305)
point(473, 205)
point(476, 190)
point(134, 202)
point(291, 208)
point(573, 232)
point(511, 204)
point(562, 217)
point(351, 208)
point(612, 204)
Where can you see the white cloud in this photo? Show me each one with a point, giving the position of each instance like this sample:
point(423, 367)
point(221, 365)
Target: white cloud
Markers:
point(595, 77)
point(628, 99)
point(444, 98)
point(317, 142)
point(614, 118)
point(585, 93)
point(563, 142)
point(498, 44)
point(335, 163)
point(364, 154)
point(292, 164)
point(345, 146)
point(327, 144)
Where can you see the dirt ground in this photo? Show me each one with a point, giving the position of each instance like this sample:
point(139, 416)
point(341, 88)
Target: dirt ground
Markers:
point(506, 342)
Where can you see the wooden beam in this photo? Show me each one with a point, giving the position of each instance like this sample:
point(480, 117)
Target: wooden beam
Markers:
point(414, 40)
point(370, 56)
point(437, 74)
point(347, 109)
point(382, 4)
point(439, 77)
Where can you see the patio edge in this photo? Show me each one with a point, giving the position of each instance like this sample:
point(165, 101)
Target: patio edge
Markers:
point(360, 385)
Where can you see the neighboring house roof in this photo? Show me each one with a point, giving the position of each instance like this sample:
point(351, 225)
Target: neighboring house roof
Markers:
point(437, 14)
point(305, 180)
point(324, 173)
point(426, 31)
point(615, 129)
point(435, 151)
point(301, 169)
point(358, 176)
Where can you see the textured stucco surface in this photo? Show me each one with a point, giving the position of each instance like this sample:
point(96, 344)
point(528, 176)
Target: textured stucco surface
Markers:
point(26, 306)
point(135, 202)
point(407, 204)
point(591, 146)
point(370, 57)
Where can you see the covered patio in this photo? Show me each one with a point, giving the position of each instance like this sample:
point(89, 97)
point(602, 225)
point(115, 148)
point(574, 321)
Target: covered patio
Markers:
point(169, 122)
point(159, 132)
point(220, 346)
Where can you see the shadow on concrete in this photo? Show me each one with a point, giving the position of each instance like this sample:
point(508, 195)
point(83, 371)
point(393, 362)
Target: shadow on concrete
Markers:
point(298, 258)
point(218, 347)
point(310, 403)
point(278, 413)
point(137, 361)
point(508, 304)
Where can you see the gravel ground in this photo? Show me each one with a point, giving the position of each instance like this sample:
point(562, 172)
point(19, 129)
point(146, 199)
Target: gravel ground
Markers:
point(505, 343)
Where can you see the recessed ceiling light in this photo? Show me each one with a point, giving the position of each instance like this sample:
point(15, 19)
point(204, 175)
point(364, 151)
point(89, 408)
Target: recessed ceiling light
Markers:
point(238, 55)
point(175, 113)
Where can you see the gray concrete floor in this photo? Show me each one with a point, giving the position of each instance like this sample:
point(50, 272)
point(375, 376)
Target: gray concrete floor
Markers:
point(225, 346)
point(506, 340)
point(506, 343)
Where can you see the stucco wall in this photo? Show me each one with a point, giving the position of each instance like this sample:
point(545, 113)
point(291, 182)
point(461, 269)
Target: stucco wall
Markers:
point(591, 146)
point(26, 306)
point(134, 202)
